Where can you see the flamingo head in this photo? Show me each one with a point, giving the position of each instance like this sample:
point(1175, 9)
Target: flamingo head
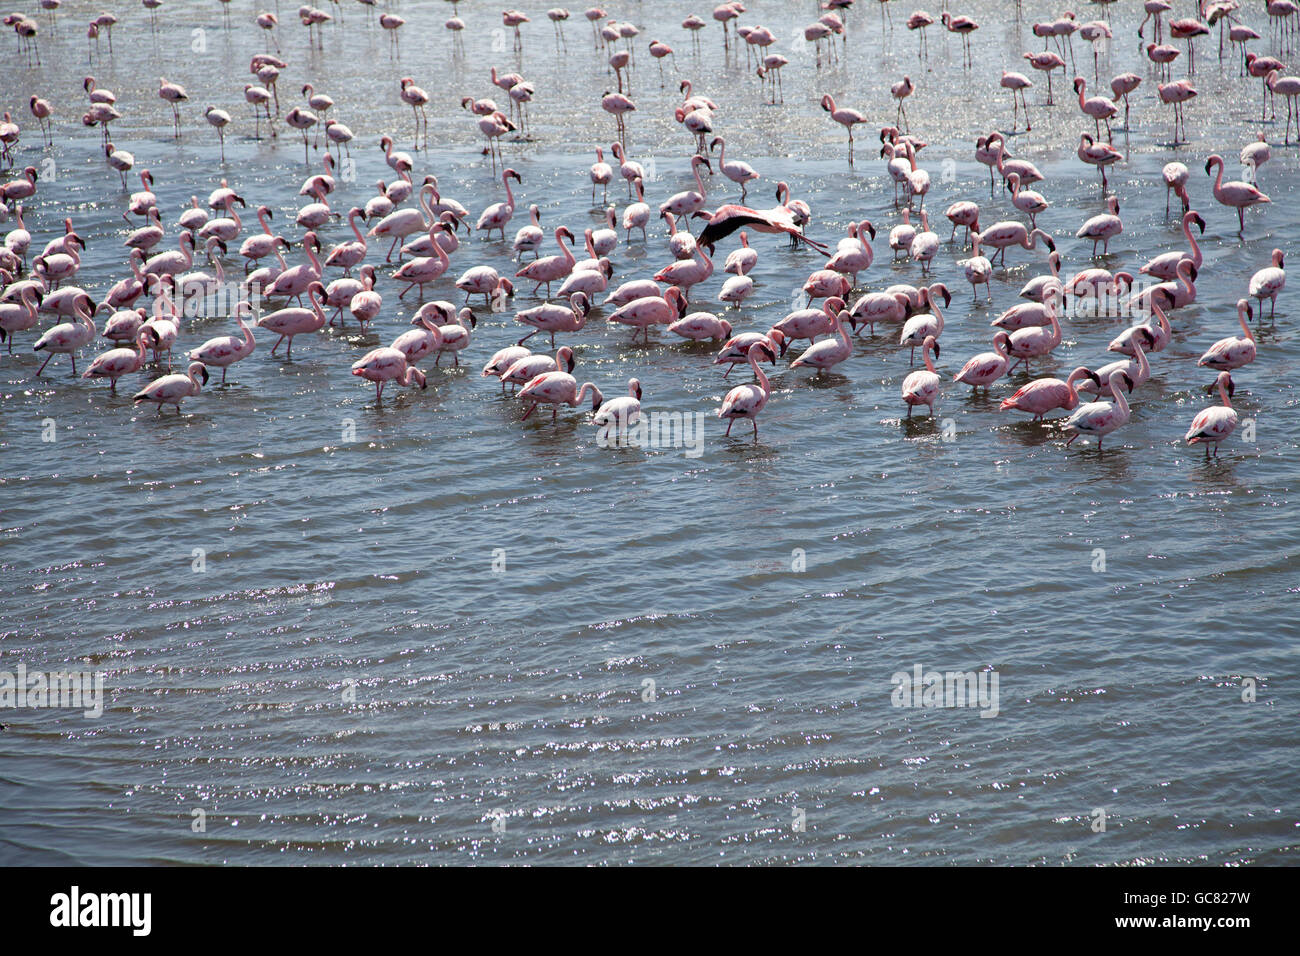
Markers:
point(385, 142)
point(634, 388)
point(564, 360)
point(581, 303)
point(1225, 380)
point(562, 232)
point(1079, 83)
point(782, 342)
point(828, 104)
point(1196, 218)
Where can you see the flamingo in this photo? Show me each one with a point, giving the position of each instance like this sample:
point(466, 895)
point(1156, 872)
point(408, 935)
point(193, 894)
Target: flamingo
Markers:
point(683, 204)
point(1101, 229)
point(1002, 235)
point(387, 364)
point(1235, 350)
point(962, 213)
point(922, 386)
point(225, 350)
point(345, 254)
point(978, 271)
point(1121, 86)
point(558, 388)
point(1175, 176)
point(423, 269)
point(1097, 107)
point(550, 269)
point(287, 323)
point(845, 117)
point(21, 315)
point(1288, 86)
point(963, 26)
point(1177, 93)
point(985, 368)
point(1101, 418)
point(1154, 337)
point(1044, 394)
point(740, 173)
point(498, 215)
point(366, 302)
point(174, 94)
point(1237, 194)
point(527, 367)
point(1213, 425)
point(1037, 288)
point(1036, 341)
point(1017, 83)
point(529, 238)
point(925, 325)
point(748, 400)
point(1268, 282)
point(643, 312)
point(622, 411)
point(405, 222)
point(551, 317)
point(1026, 200)
point(828, 352)
point(701, 327)
point(173, 389)
point(118, 362)
point(925, 244)
point(1165, 266)
point(66, 337)
point(1045, 61)
point(1097, 154)
point(637, 214)
point(602, 174)
point(1136, 369)
point(1168, 295)
point(502, 360)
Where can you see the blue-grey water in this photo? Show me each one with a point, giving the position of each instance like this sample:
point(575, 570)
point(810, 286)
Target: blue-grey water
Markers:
point(456, 637)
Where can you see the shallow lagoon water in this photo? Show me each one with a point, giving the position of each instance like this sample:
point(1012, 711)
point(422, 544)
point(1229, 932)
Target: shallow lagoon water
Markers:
point(349, 680)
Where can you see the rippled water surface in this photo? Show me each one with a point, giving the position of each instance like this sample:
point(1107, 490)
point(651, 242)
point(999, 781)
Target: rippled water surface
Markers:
point(352, 678)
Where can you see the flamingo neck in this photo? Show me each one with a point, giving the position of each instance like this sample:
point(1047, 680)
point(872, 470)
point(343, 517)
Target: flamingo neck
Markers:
point(1241, 317)
point(1120, 401)
point(763, 383)
point(1223, 394)
point(352, 221)
point(929, 364)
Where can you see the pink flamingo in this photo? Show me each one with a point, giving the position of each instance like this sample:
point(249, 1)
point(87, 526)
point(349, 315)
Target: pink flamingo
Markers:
point(985, 368)
point(651, 310)
point(1101, 418)
point(735, 351)
point(1044, 394)
point(366, 302)
point(1036, 341)
point(684, 203)
point(701, 327)
point(1097, 107)
point(115, 363)
point(1137, 370)
point(1121, 86)
point(1017, 83)
point(685, 273)
point(828, 352)
point(1268, 282)
point(1175, 176)
point(810, 323)
point(748, 400)
point(1045, 61)
point(1177, 93)
point(384, 365)
point(423, 269)
point(173, 389)
point(498, 215)
point(1235, 350)
point(1097, 154)
point(1007, 233)
point(845, 117)
point(1168, 295)
point(622, 411)
point(552, 317)
point(558, 388)
point(1165, 266)
point(1237, 194)
point(1288, 86)
point(1213, 425)
point(66, 337)
point(287, 323)
point(174, 94)
point(501, 361)
point(963, 27)
point(345, 254)
point(405, 222)
point(1101, 229)
point(225, 350)
point(21, 315)
point(925, 324)
point(550, 269)
point(1188, 29)
point(294, 281)
point(922, 386)
point(1154, 336)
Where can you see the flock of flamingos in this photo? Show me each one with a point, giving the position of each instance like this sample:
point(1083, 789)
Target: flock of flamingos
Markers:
point(420, 228)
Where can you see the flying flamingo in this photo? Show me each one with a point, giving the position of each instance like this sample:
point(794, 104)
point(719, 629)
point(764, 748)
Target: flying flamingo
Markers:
point(1235, 350)
point(173, 389)
point(225, 350)
point(1101, 418)
point(922, 386)
point(747, 401)
point(1213, 425)
point(1236, 193)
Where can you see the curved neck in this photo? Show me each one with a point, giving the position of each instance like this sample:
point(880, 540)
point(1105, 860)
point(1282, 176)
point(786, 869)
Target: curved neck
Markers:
point(1196, 249)
point(699, 183)
point(352, 221)
point(1241, 317)
point(929, 364)
point(1120, 401)
point(266, 226)
point(759, 374)
point(510, 196)
point(1223, 394)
